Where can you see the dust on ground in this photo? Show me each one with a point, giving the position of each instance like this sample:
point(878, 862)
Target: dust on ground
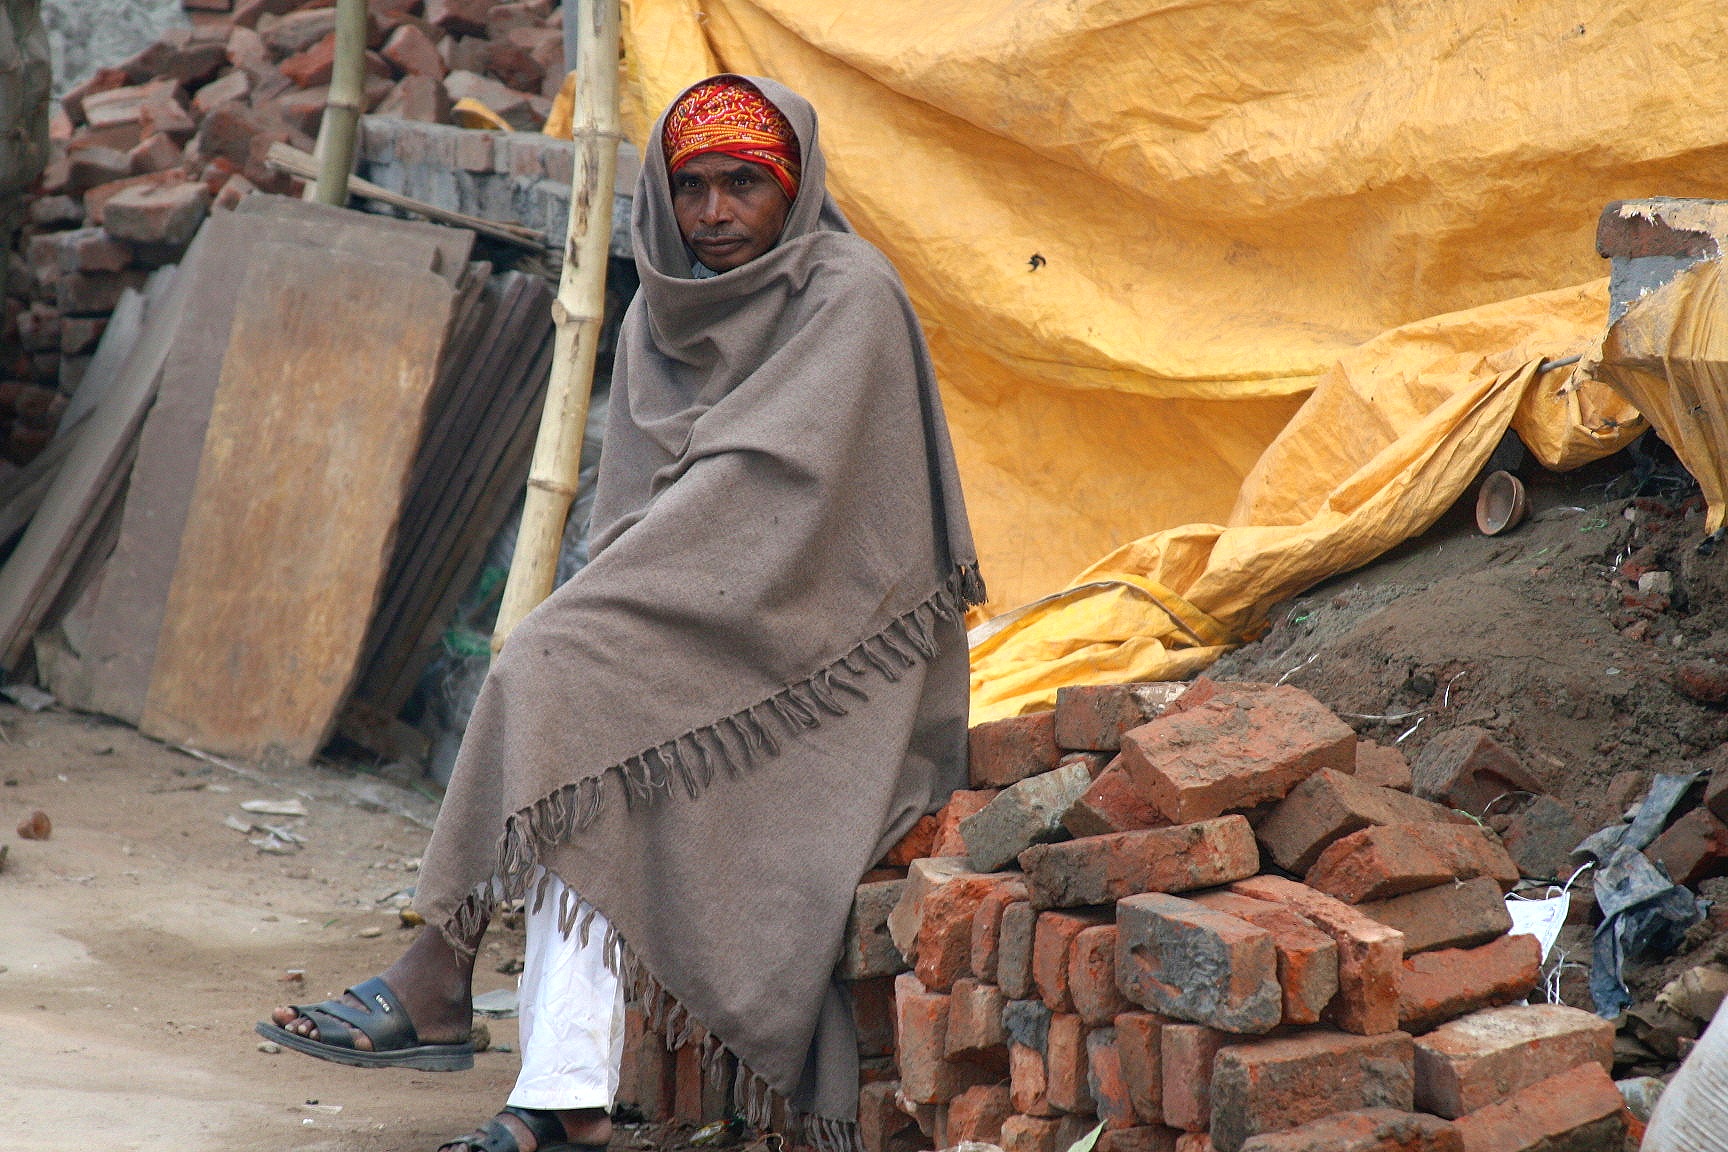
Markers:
point(139, 944)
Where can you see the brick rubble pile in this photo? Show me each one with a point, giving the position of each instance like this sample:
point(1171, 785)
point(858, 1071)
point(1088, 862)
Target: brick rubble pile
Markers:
point(1212, 919)
point(144, 150)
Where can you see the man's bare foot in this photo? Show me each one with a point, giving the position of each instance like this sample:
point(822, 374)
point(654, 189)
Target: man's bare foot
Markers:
point(433, 981)
point(589, 1126)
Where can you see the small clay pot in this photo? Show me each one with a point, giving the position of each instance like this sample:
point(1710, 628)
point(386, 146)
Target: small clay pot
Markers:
point(1501, 504)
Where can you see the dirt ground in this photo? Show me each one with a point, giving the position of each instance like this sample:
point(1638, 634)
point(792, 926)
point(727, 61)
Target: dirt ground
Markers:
point(140, 942)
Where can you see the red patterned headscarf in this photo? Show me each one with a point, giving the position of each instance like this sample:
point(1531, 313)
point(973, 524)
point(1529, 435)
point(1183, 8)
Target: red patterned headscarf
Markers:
point(732, 118)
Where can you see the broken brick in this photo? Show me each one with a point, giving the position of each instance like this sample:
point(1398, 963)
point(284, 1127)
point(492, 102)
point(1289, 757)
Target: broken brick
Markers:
point(168, 215)
point(411, 50)
point(1483, 1058)
point(1065, 1064)
point(1104, 1080)
point(1467, 768)
point(975, 1029)
point(1237, 750)
point(1093, 717)
point(1391, 859)
point(1436, 986)
point(879, 1116)
point(1459, 915)
point(1051, 947)
point(915, 845)
point(1103, 869)
point(1139, 1049)
point(1277, 1083)
point(1004, 752)
point(1579, 1110)
point(1028, 1082)
point(1023, 814)
point(1307, 957)
point(1092, 976)
point(978, 1114)
point(1369, 1130)
point(945, 928)
point(1185, 960)
point(868, 948)
point(1540, 837)
point(1014, 951)
point(1111, 803)
point(1370, 954)
point(960, 805)
point(1693, 848)
point(1330, 805)
point(1029, 1134)
point(921, 1031)
point(1382, 765)
point(1144, 1138)
point(923, 877)
point(1187, 1055)
point(987, 927)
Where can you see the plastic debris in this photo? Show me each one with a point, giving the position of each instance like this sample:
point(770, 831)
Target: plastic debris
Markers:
point(274, 807)
point(28, 697)
point(500, 1004)
point(1644, 913)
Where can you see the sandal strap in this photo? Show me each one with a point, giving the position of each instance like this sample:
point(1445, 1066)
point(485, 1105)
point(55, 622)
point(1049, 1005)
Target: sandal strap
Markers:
point(332, 1029)
point(383, 1020)
point(493, 1136)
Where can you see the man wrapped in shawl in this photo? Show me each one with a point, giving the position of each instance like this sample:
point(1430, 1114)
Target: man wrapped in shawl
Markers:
point(686, 757)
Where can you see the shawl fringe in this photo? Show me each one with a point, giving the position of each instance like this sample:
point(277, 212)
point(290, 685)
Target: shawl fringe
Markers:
point(737, 743)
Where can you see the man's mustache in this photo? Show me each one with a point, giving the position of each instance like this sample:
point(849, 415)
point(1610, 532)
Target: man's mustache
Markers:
point(704, 235)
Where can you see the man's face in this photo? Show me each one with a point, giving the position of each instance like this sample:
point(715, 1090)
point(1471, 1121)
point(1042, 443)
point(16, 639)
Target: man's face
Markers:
point(729, 210)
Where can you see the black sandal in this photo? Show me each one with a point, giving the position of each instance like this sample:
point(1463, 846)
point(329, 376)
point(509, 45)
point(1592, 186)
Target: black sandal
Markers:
point(395, 1044)
point(543, 1125)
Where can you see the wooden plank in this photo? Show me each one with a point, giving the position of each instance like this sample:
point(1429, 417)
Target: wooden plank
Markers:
point(124, 619)
point(330, 366)
point(29, 579)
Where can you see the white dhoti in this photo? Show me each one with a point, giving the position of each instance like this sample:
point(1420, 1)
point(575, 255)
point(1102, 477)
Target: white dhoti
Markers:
point(572, 1009)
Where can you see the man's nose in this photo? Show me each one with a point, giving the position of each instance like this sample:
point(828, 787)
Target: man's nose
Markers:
point(714, 207)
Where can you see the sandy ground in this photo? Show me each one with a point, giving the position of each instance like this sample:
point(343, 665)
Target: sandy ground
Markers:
point(142, 940)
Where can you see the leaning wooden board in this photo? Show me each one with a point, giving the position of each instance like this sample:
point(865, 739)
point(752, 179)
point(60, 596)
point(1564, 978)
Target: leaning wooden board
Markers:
point(331, 361)
point(112, 649)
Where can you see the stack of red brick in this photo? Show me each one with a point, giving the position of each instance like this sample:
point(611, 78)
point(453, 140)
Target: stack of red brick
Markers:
point(1213, 919)
point(142, 152)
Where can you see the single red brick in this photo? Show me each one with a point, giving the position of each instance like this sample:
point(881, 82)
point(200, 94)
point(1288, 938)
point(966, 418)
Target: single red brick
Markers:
point(1104, 1080)
point(1029, 1134)
point(1095, 716)
point(1577, 1111)
point(945, 931)
point(915, 845)
point(1112, 804)
point(1482, 1058)
point(978, 1114)
point(1028, 1081)
point(1004, 752)
point(1458, 915)
point(1540, 837)
point(1694, 848)
point(1396, 858)
point(921, 1034)
point(1065, 1064)
point(1187, 1054)
point(1383, 765)
point(1282, 1082)
point(987, 927)
point(1307, 957)
point(975, 1023)
point(687, 1093)
point(1370, 1130)
point(1103, 869)
point(1467, 768)
point(1139, 1048)
point(1092, 976)
point(873, 1014)
point(1145, 1138)
point(1329, 805)
point(1188, 961)
point(1194, 1142)
point(411, 50)
point(1014, 950)
point(960, 805)
point(1437, 986)
point(1051, 949)
point(1370, 955)
point(1235, 751)
point(923, 878)
point(880, 1119)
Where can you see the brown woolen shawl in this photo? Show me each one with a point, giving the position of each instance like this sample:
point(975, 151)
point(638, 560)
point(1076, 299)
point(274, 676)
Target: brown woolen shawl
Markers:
point(759, 682)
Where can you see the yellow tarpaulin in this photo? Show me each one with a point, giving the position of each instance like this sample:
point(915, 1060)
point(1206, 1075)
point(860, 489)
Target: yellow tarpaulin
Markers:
point(1141, 233)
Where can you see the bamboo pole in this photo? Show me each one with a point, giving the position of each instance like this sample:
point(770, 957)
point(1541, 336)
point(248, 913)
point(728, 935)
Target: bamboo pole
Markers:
point(576, 313)
point(340, 126)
